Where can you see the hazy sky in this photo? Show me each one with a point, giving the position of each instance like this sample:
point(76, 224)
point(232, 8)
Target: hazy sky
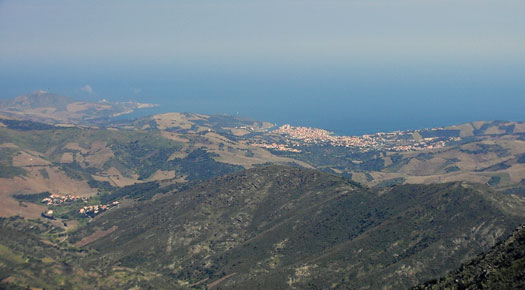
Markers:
point(261, 32)
point(349, 65)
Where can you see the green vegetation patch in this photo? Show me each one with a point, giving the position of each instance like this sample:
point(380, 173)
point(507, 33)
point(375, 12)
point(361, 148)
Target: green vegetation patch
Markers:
point(44, 173)
point(101, 185)
point(34, 254)
point(7, 154)
point(75, 171)
point(8, 256)
point(439, 133)
point(503, 267)
point(425, 156)
point(496, 167)
point(337, 157)
point(494, 180)
point(520, 190)
point(8, 171)
point(369, 177)
point(487, 148)
point(373, 164)
point(200, 164)
point(39, 141)
point(452, 169)
point(145, 153)
point(144, 190)
point(397, 162)
point(391, 182)
point(34, 198)
point(25, 125)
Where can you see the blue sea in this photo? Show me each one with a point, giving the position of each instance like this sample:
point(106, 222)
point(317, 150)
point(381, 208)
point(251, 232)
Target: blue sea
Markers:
point(349, 100)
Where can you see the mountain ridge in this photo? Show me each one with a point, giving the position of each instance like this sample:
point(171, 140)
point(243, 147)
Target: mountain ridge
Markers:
point(318, 228)
point(42, 106)
point(187, 200)
point(500, 268)
point(180, 147)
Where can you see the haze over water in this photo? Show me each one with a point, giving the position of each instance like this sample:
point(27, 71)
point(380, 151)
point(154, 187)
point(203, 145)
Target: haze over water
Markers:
point(353, 67)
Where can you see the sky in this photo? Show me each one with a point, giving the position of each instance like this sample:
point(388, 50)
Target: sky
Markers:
point(270, 59)
point(261, 31)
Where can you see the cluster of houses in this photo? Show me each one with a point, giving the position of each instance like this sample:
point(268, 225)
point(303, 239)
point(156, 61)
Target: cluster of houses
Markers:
point(93, 210)
point(88, 210)
point(55, 199)
point(390, 141)
point(278, 147)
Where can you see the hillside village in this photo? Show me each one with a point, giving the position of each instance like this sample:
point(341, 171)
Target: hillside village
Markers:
point(93, 210)
point(392, 141)
point(87, 210)
point(55, 199)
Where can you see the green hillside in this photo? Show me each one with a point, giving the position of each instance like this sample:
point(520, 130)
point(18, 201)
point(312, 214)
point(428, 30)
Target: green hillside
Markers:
point(481, 152)
point(270, 227)
point(42, 106)
point(186, 200)
point(84, 152)
point(279, 227)
point(503, 267)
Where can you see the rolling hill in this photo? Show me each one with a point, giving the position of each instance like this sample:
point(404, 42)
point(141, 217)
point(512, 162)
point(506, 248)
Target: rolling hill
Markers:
point(503, 267)
point(283, 227)
point(192, 200)
point(42, 106)
point(483, 152)
point(180, 147)
point(36, 157)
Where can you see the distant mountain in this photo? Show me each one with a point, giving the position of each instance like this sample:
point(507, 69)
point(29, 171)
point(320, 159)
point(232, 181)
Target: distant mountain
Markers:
point(42, 106)
point(38, 99)
point(503, 267)
point(485, 152)
point(37, 157)
point(180, 147)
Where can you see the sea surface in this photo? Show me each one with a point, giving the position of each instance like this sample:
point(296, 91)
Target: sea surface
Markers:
point(347, 100)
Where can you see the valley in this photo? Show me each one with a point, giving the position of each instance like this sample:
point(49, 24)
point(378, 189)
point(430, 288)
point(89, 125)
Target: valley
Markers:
point(193, 201)
point(261, 145)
